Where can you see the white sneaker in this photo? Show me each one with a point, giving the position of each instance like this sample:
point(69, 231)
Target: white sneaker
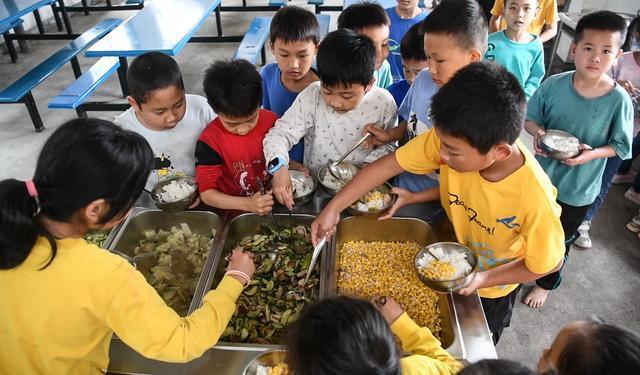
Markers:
point(583, 240)
point(632, 195)
point(634, 224)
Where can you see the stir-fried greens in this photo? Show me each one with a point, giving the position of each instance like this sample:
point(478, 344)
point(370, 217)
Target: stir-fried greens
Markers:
point(276, 294)
point(96, 237)
point(175, 268)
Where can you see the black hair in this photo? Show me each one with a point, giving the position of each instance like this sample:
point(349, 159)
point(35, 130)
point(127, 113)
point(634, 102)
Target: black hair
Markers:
point(363, 15)
point(342, 335)
point(602, 20)
point(483, 104)
point(152, 71)
point(461, 19)
point(602, 349)
point(233, 88)
point(412, 44)
point(633, 32)
point(293, 24)
point(83, 160)
point(496, 367)
point(345, 58)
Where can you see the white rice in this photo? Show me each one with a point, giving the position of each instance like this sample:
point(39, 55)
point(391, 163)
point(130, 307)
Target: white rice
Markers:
point(262, 370)
point(176, 190)
point(562, 144)
point(457, 259)
point(334, 183)
point(302, 185)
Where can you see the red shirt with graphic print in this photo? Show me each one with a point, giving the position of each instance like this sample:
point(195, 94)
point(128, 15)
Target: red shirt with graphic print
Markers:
point(230, 162)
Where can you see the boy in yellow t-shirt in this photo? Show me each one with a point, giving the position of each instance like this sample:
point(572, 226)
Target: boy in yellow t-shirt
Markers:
point(545, 23)
point(500, 201)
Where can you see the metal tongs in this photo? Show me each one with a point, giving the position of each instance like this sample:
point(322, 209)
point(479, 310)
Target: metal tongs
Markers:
point(314, 257)
point(263, 191)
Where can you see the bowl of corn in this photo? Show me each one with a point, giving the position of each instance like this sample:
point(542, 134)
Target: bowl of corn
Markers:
point(453, 267)
point(375, 203)
point(268, 363)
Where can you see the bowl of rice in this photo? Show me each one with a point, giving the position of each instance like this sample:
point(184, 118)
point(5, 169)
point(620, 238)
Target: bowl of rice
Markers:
point(304, 187)
point(175, 194)
point(268, 363)
point(333, 185)
point(559, 145)
point(454, 269)
point(374, 203)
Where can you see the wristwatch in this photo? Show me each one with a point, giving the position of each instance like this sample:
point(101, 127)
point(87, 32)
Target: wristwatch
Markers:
point(275, 164)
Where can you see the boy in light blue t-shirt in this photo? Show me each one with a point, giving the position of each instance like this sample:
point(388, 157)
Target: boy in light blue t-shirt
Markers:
point(515, 48)
point(294, 36)
point(402, 17)
point(591, 106)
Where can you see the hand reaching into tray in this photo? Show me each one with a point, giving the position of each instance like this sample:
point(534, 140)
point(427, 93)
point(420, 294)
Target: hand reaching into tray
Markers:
point(240, 260)
point(388, 307)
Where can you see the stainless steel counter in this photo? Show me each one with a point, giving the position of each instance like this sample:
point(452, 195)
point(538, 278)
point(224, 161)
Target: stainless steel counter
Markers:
point(473, 342)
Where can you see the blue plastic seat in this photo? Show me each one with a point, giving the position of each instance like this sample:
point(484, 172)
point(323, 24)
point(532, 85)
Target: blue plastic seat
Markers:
point(253, 41)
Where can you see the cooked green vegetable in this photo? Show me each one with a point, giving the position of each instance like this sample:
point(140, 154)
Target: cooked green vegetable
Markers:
point(276, 295)
point(96, 237)
point(175, 268)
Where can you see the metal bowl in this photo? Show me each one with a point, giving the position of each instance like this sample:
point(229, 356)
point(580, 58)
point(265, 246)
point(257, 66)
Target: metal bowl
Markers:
point(345, 167)
point(270, 358)
point(448, 286)
point(385, 189)
point(179, 205)
point(552, 152)
point(300, 178)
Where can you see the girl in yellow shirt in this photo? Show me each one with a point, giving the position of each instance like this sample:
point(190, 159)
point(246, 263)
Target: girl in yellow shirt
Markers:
point(345, 335)
point(63, 298)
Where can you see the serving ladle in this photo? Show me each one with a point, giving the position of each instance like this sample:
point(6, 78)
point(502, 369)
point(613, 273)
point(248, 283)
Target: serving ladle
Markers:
point(333, 166)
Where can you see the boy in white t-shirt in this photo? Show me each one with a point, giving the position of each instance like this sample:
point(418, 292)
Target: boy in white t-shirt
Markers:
point(164, 115)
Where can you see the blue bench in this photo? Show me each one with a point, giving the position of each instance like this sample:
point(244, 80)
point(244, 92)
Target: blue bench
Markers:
point(4, 30)
point(319, 4)
point(20, 90)
point(75, 94)
point(253, 41)
point(277, 3)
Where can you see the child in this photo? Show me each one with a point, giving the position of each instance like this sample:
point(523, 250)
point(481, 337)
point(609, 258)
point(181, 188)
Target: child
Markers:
point(230, 169)
point(401, 17)
point(626, 71)
point(370, 20)
point(161, 112)
point(497, 197)
point(63, 298)
point(413, 62)
point(546, 19)
point(345, 335)
point(455, 34)
point(331, 114)
point(516, 49)
point(496, 367)
point(592, 347)
point(590, 105)
point(294, 38)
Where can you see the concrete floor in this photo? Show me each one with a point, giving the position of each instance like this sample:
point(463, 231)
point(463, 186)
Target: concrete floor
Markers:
point(602, 280)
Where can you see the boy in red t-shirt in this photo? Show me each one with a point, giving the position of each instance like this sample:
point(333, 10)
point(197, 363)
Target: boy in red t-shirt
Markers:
point(230, 166)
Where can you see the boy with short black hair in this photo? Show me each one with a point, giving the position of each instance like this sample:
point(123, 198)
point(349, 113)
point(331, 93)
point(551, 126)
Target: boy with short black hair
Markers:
point(545, 23)
point(230, 167)
point(294, 36)
point(500, 202)
point(413, 62)
point(164, 115)
point(370, 20)
point(455, 35)
point(331, 114)
point(590, 105)
point(401, 18)
point(515, 48)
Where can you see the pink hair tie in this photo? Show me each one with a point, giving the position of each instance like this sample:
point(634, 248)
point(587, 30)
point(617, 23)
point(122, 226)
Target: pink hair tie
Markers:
point(33, 193)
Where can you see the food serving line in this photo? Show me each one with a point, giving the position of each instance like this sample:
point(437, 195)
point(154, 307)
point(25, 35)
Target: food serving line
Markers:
point(464, 330)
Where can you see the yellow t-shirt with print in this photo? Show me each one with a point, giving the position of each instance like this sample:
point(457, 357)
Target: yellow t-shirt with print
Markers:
point(502, 221)
point(547, 14)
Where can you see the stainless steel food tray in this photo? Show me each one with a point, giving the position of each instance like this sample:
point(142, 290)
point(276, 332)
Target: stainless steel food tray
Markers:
point(395, 229)
point(236, 228)
point(127, 235)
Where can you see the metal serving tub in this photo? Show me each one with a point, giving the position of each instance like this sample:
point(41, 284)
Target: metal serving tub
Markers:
point(127, 236)
point(401, 230)
point(236, 229)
